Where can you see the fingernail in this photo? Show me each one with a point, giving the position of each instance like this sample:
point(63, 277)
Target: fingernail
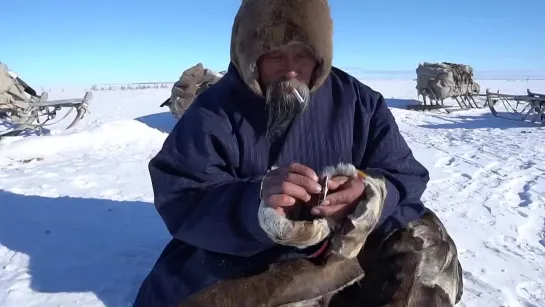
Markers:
point(318, 188)
point(325, 203)
point(315, 211)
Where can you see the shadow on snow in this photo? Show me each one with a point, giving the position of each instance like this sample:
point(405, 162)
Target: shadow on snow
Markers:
point(163, 122)
point(83, 245)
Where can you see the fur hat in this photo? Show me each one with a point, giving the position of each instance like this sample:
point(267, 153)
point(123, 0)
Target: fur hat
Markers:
point(264, 25)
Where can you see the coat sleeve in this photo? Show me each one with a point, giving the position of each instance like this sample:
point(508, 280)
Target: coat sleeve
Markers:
point(388, 154)
point(196, 190)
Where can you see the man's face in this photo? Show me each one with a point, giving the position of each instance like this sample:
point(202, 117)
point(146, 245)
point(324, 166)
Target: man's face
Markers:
point(282, 71)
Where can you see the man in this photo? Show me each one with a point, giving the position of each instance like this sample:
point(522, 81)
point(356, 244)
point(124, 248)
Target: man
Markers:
point(236, 181)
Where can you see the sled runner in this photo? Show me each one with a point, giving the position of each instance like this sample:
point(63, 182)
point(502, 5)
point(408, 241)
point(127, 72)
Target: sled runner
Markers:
point(22, 109)
point(440, 81)
point(529, 108)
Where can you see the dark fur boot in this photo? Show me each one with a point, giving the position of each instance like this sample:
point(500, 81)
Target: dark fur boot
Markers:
point(412, 267)
point(291, 283)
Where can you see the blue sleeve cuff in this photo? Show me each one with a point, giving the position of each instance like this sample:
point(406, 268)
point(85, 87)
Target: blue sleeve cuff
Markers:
point(391, 202)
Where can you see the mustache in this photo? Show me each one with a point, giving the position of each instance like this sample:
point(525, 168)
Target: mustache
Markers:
point(285, 99)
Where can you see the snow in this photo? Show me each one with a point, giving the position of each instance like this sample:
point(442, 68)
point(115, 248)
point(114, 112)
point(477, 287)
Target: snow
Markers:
point(78, 226)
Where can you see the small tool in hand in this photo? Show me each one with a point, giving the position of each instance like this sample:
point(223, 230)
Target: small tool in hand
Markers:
point(323, 194)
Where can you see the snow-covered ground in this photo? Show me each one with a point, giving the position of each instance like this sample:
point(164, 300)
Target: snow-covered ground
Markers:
point(78, 226)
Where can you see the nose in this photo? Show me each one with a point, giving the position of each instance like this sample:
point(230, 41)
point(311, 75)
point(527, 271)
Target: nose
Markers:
point(291, 74)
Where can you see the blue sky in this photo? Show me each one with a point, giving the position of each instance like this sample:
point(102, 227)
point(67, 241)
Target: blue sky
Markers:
point(52, 42)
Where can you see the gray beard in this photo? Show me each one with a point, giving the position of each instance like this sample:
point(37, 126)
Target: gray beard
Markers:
point(282, 106)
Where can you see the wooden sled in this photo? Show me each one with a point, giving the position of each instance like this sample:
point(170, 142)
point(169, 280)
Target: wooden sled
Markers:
point(527, 108)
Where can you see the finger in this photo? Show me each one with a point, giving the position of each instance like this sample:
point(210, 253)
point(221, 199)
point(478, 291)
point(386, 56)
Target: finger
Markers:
point(335, 182)
point(288, 188)
point(309, 185)
point(281, 211)
point(279, 200)
point(285, 211)
point(304, 170)
point(335, 212)
point(352, 191)
point(339, 197)
point(306, 183)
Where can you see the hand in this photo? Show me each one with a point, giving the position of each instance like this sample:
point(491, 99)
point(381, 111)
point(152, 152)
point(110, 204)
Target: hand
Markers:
point(285, 186)
point(347, 192)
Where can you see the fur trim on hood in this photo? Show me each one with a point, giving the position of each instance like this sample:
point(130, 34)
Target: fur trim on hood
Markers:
point(264, 25)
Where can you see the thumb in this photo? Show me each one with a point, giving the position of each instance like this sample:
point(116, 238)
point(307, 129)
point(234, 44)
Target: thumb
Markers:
point(335, 182)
